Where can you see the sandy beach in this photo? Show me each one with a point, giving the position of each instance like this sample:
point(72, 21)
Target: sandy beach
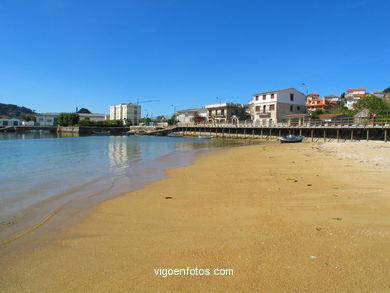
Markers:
point(284, 217)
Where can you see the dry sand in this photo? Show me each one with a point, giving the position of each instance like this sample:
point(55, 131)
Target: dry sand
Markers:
point(285, 218)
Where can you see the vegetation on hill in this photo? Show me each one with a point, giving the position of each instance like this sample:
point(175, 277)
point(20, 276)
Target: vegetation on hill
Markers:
point(373, 104)
point(14, 111)
point(84, 111)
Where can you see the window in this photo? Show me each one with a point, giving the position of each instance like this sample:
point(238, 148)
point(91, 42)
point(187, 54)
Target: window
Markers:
point(257, 108)
point(257, 98)
point(298, 108)
point(210, 113)
point(264, 97)
point(291, 108)
point(291, 97)
point(272, 107)
point(272, 96)
point(264, 109)
point(223, 112)
point(40, 119)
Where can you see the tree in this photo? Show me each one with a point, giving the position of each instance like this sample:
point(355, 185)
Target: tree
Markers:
point(342, 96)
point(145, 120)
point(85, 121)
point(68, 119)
point(172, 120)
point(373, 104)
point(341, 108)
point(386, 91)
point(115, 123)
point(315, 114)
point(161, 118)
point(28, 117)
point(84, 111)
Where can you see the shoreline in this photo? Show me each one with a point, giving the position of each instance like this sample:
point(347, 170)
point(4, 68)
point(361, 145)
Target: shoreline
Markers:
point(27, 219)
point(231, 215)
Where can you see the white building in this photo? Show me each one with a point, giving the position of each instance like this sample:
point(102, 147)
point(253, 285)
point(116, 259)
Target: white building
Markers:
point(333, 98)
point(271, 107)
point(126, 113)
point(50, 119)
point(191, 115)
point(354, 95)
point(9, 122)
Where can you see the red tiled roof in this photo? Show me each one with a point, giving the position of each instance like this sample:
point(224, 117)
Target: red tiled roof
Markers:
point(313, 94)
point(356, 90)
point(320, 102)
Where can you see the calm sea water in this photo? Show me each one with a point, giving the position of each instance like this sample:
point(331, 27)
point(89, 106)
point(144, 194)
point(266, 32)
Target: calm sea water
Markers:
point(41, 172)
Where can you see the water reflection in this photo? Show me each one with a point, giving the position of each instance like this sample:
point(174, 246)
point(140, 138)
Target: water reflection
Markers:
point(121, 154)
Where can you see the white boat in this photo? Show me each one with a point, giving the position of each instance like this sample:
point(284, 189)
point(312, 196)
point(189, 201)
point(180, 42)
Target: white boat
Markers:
point(291, 138)
point(205, 136)
point(174, 134)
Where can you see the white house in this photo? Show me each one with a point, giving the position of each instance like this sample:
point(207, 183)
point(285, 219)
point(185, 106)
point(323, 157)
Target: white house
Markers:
point(126, 113)
point(333, 98)
point(271, 107)
point(9, 122)
point(354, 95)
point(47, 119)
point(191, 115)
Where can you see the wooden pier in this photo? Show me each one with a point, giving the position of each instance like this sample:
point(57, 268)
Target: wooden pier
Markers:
point(312, 133)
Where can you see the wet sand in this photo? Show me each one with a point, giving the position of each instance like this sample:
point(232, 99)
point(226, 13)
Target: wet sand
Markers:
point(285, 218)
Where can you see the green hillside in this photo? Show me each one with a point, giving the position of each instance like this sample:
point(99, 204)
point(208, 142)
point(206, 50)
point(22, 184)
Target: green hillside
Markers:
point(14, 111)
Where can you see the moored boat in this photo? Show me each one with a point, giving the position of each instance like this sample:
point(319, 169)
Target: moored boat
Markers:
point(174, 134)
point(291, 138)
point(128, 133)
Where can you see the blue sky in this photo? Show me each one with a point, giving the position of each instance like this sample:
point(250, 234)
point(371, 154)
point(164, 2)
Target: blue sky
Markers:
point(56, 55)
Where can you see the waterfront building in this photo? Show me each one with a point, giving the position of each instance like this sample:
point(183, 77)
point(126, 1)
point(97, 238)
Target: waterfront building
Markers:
point(50, 119)
point(127, 113)
point(314, 104)
point(191, 115)
point(226, 113)
point(6, 121)
point(354, 95)
point(272, 107)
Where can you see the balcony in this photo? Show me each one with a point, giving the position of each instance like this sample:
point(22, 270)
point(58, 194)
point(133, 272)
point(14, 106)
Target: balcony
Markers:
point(263, 114)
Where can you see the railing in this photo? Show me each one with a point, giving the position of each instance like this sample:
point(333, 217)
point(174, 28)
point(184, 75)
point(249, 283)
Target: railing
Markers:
point(347, 122)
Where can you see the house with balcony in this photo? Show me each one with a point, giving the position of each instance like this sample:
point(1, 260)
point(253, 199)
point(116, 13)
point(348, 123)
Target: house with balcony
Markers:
point(226, 113)
point(271, 107)
point(354, 95)
point(191, 115)
point(314, 104)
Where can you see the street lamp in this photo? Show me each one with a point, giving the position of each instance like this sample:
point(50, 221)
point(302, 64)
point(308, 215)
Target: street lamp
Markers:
point(307, 88)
